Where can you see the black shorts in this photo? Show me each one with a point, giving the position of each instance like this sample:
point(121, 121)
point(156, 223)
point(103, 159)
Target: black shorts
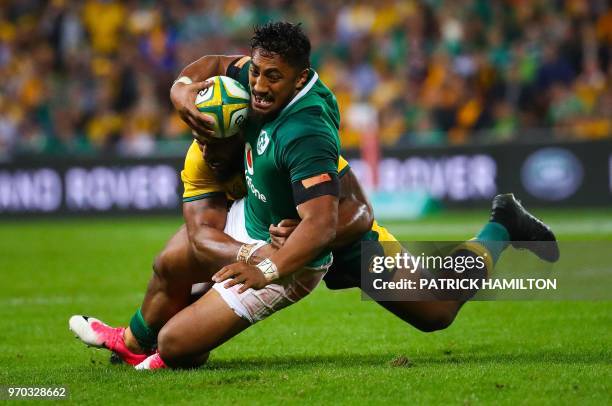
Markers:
point(345, 271)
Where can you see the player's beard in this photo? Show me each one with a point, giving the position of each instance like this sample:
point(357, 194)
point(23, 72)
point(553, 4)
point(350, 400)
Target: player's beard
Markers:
point(259, 119)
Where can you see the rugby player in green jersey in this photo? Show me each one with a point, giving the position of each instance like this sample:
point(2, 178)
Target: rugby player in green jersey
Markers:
point(291, 107)
point(291, 159)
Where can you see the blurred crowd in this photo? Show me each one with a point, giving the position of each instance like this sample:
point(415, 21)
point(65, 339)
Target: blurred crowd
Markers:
point(93, 76)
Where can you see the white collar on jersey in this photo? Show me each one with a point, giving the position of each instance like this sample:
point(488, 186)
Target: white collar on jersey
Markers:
point(304, 90)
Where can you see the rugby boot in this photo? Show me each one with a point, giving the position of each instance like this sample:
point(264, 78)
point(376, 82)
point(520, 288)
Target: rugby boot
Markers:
point(525, 230)
point(95, 333)
point(152, 362)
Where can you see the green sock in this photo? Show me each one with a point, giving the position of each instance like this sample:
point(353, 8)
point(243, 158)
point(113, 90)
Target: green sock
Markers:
point(495, 238)
point(145, 335)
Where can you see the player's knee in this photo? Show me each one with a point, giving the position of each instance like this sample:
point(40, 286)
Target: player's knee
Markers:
point(162, 265)
point(166, 345)
point(175, 352)
point(435, 322)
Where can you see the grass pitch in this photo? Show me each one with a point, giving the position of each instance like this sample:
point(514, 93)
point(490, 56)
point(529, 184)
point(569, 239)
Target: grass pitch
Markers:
point(331, 347)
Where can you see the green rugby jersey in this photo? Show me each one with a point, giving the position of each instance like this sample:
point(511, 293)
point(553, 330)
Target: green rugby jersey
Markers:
point(301, 142)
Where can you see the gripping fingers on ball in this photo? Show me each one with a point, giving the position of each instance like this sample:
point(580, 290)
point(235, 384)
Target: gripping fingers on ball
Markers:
point(203, 136)
point(204, 84)
point(196, 128)
point(202, 123)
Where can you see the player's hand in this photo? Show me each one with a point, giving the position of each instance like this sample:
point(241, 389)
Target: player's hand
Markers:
point(280, 232)
point(249, 275)
point(183, 98)
point(262, 253)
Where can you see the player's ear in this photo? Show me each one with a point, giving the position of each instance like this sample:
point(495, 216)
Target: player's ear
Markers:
point(302, 78)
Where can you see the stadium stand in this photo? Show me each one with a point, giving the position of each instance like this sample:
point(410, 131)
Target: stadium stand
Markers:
point(92, 77)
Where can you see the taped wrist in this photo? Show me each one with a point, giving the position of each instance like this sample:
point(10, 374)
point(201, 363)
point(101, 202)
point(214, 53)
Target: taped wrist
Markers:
point(246, 251)
point(269, 270)
point(302, 191)
point(183, 79)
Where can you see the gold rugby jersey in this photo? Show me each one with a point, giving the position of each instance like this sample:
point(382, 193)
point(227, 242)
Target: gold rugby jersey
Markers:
point(199, 180)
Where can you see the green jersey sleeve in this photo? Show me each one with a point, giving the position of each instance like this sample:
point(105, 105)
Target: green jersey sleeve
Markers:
point(307, 146)
point(239, 70)
point(243, 75)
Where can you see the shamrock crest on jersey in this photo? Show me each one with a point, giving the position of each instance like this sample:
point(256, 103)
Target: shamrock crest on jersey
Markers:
point(262, 142)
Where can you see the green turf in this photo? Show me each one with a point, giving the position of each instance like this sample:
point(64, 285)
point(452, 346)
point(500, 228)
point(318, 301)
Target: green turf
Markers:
point(330, 348)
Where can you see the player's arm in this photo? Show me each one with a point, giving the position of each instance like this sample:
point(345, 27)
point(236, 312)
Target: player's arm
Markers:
point(355, 216)
point(209, 65)
point(317, 229)
point(311, 162)
point(190, 81)
point(205, 213)
point(205, 221)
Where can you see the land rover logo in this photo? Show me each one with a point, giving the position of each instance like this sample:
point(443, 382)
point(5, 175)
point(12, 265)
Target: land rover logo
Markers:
point(552, 174)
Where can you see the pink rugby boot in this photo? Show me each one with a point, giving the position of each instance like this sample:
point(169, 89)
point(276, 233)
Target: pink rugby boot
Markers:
point(152, 362)
point(95, 333)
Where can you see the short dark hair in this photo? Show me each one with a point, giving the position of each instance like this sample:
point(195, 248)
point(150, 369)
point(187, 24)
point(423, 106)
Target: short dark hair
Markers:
point(284, 39)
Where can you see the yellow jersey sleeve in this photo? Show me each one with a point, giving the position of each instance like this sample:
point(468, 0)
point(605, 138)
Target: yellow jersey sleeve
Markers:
point(198, 180)
point(343, 166)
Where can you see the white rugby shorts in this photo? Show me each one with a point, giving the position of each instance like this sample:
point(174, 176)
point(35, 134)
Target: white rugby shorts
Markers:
point(255, 305)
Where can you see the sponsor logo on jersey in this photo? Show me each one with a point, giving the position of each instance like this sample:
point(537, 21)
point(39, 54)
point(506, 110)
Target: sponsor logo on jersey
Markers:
point(262, 142)
point(254, 190)
point(248, 154)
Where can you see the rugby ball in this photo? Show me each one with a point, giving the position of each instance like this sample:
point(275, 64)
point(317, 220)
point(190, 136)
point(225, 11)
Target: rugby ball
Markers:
point(226, 102)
